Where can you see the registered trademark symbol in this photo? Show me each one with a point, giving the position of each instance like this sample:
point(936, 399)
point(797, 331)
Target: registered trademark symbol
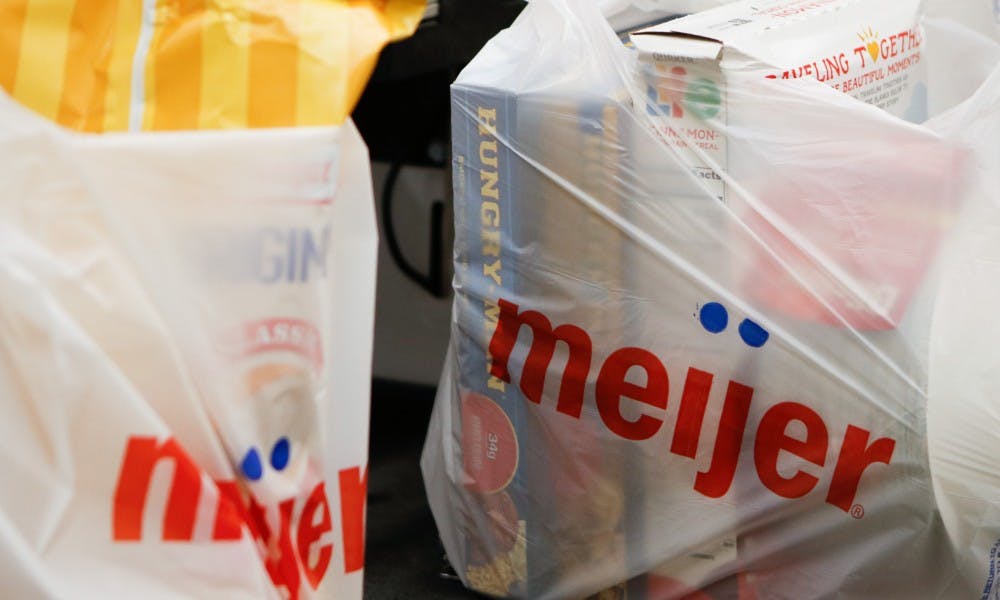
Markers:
point(858, 511)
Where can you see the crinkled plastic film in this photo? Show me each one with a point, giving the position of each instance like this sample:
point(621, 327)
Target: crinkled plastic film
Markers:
point(185, 342)
point(694, 360)
point(186, 317)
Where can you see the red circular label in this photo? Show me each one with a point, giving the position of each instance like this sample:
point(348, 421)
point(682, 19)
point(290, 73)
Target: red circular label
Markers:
point(489, 445)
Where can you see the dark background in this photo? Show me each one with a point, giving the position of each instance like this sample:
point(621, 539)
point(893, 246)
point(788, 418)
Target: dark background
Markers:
point(404, 117)
point(403, 557)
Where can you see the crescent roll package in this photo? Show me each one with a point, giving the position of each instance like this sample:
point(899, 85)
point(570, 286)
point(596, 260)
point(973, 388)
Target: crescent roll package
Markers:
point(186, 316)
point(701, 307)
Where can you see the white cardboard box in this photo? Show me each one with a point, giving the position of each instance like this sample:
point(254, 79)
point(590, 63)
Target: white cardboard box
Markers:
point(869, 49)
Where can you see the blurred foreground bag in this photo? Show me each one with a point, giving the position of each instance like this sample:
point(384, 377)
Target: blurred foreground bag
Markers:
point(695, 287)
point(186, 317)
point(186, 336)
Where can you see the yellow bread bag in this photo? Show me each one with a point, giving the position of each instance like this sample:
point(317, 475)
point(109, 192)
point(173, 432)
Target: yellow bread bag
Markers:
point(115, 65)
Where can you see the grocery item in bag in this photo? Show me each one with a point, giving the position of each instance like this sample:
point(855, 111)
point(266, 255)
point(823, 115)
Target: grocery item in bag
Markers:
point(696, 71)
point(624, 374)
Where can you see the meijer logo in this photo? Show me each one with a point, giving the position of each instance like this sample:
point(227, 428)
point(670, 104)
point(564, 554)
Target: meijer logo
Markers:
point(857, 453)
point(297, 548)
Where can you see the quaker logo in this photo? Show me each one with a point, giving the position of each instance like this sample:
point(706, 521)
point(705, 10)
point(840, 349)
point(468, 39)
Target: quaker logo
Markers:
point(675, 94)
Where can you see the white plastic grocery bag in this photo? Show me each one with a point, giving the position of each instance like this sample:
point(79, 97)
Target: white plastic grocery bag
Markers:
point(963, 410)
point(185, 339)
point(697, 277)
